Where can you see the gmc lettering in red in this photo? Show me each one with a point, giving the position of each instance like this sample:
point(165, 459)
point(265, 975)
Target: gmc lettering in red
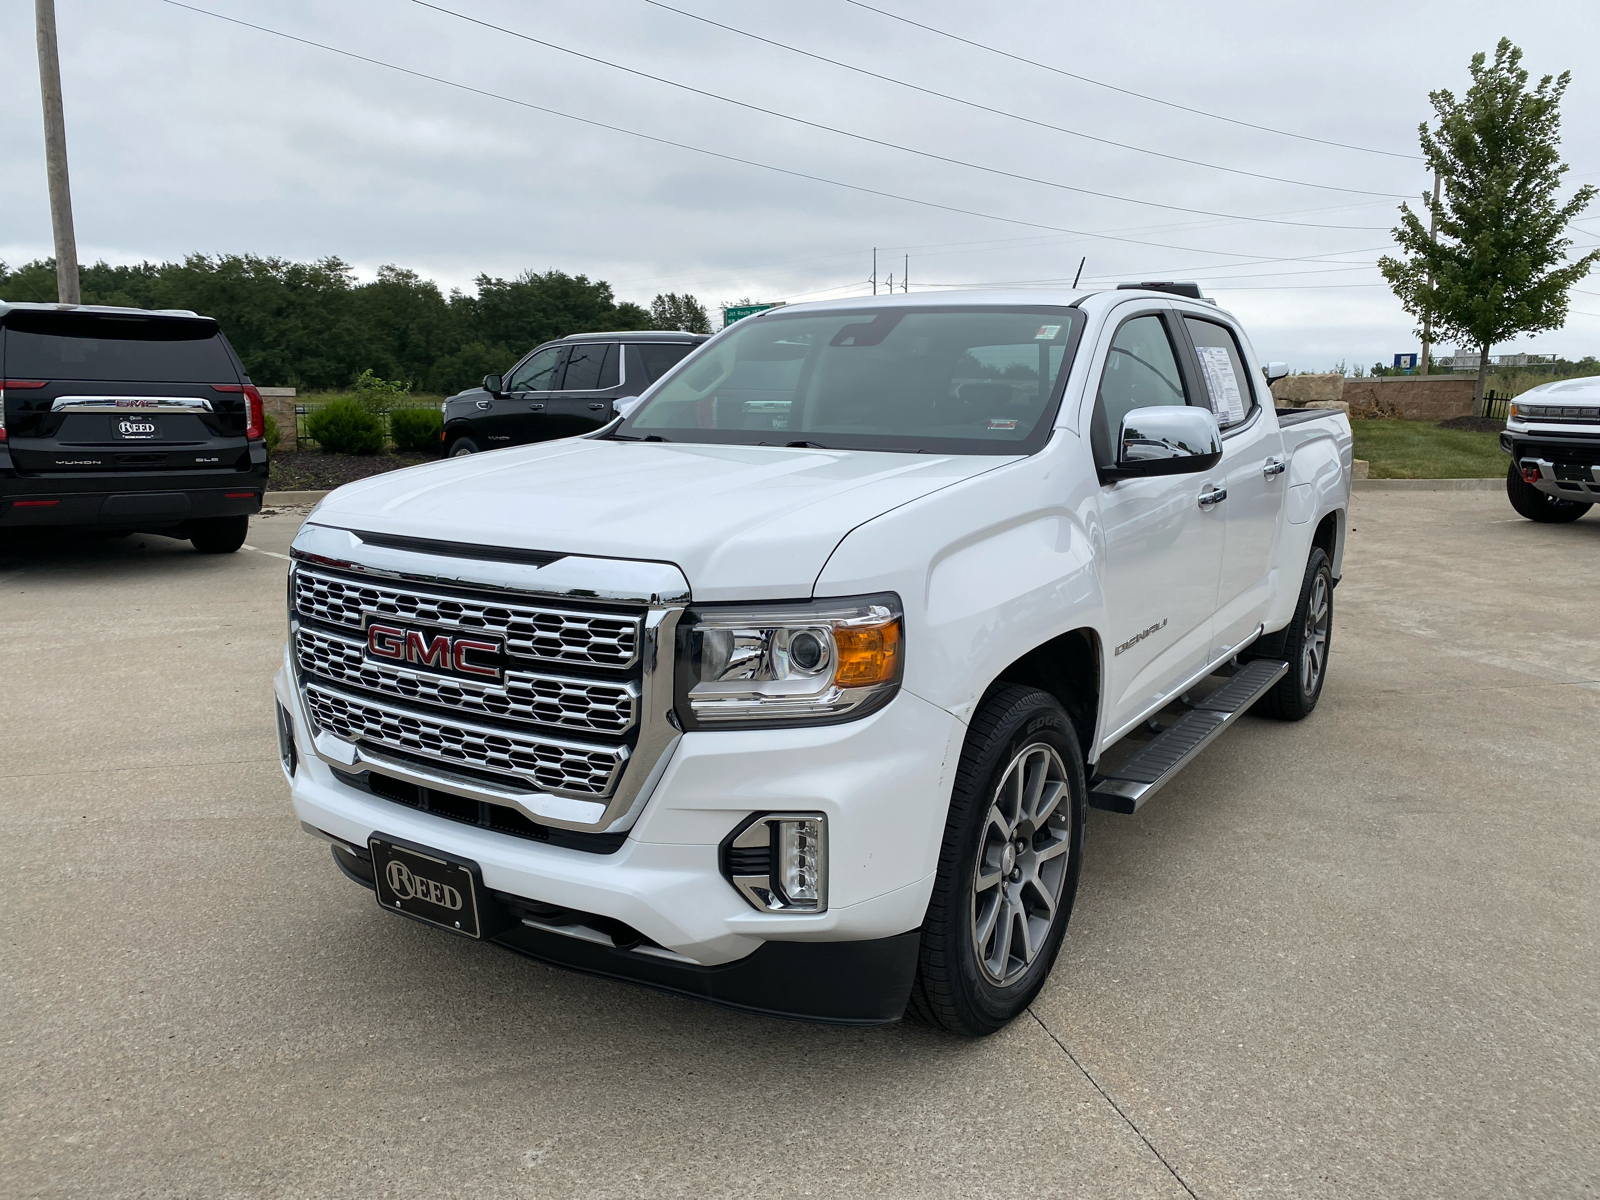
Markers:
point(439, 650)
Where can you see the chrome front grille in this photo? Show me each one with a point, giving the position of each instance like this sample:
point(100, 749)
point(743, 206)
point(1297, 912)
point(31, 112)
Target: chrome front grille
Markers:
point(552, 766)
point(592, 706)
point(570, 732)
point(544, 633)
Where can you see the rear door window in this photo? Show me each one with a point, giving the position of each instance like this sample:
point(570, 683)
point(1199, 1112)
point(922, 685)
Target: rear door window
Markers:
point(1227, 383)
point(590, 367)
point(82, 346)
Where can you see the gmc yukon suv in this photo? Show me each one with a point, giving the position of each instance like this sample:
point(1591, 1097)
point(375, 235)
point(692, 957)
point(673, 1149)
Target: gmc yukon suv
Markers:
point(790, 689)
point(122, 419)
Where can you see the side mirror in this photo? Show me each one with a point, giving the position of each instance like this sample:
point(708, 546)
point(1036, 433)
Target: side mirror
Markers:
point(1275, 372)
point(1169, 440)
point(491, 384)
point(624, 405)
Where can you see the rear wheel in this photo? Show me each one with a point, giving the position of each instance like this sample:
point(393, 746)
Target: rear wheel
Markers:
point(1530, 502)
point(464, 445)
point(1305, 644)
point(1008, 870)
point(219, 535)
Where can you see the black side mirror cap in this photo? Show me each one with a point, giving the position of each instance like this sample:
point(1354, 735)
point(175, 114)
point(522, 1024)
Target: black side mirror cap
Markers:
point(491, 384)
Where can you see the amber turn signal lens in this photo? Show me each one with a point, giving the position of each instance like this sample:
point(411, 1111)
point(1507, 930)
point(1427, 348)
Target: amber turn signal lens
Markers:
point(868, 654)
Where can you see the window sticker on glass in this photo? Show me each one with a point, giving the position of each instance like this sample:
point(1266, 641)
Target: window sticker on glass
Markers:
point(999, 423)
point(1047, 333)
point(1226, 400)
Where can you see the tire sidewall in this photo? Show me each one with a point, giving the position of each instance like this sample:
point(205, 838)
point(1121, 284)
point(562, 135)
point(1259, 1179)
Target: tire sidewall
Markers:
point(1318, 566)
point(462, 447)
point(1041, 721)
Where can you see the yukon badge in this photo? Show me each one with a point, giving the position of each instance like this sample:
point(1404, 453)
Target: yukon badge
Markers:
point(1139, 637)
point(440, 651)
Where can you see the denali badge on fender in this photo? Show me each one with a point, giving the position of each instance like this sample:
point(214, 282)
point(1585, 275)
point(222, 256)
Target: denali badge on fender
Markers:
point(440, 651)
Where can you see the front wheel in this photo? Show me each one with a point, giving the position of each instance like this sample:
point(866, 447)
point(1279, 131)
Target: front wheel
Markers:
point(462, 446)
point(1539, 506)
point(1008, 869)
point(219, 535)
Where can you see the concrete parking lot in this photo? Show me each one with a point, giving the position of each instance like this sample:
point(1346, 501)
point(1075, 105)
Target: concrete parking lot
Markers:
point(1351, 957)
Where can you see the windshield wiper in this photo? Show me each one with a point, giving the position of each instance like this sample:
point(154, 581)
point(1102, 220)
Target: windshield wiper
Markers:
point(628, 437)
point(798, 445)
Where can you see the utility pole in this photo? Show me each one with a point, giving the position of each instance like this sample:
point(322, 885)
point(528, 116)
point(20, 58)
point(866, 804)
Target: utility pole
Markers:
point(55, 154)
point(1427, 317)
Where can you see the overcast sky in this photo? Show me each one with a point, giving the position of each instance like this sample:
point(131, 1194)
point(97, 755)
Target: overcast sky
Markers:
point(187, 133)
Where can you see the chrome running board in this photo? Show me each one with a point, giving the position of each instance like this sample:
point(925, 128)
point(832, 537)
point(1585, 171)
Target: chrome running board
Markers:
point(1124, 788)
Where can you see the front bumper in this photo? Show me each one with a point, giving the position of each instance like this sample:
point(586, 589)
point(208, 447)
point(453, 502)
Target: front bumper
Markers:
point(1568, 459)
point(883, 782)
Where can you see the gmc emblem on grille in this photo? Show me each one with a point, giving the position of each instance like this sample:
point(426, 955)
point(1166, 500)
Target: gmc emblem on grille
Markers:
point(425, 648)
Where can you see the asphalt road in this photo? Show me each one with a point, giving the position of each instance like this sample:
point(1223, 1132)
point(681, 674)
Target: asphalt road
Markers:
point(1352, 957)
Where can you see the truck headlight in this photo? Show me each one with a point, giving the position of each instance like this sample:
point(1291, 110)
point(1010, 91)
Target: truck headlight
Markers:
point(813, 663)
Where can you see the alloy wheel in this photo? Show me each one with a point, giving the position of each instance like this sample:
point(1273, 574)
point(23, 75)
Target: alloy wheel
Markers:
point(1314, 645)
point(1022, 864)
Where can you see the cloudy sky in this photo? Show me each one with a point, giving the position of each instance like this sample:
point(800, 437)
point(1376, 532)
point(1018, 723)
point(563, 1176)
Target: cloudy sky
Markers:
point(190, 133)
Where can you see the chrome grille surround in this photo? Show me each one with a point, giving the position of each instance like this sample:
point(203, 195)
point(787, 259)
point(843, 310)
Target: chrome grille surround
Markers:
point(589, 705)
point(552, 766)
point(531, 631)
point(577, 749)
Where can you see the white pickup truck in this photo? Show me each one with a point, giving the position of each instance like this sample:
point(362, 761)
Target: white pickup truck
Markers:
point(790, 689)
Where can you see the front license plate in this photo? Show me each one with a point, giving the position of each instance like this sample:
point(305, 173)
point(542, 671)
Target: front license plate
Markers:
point(426, 885)
point(137, 429)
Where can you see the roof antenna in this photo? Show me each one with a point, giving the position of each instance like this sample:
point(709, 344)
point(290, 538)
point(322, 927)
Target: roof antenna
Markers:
point(1079, 275)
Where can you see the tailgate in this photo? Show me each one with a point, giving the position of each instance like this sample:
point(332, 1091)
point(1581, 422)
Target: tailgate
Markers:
point(75, 426)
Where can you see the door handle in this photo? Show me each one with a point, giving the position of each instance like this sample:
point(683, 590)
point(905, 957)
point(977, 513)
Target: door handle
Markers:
point(536, 408)
point(596, 407)
point(1274, 466)
point(1215, 496)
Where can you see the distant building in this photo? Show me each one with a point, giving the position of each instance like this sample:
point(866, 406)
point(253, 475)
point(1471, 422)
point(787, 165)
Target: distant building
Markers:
point(1467, 360)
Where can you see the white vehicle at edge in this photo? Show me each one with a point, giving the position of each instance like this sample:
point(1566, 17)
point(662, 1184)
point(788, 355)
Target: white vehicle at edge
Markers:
point(790, 689)
point(1553, 437)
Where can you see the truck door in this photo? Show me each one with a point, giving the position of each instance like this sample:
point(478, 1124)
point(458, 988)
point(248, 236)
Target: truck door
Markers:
point(1252, 472)
point(1163, 549)
point(517, 416)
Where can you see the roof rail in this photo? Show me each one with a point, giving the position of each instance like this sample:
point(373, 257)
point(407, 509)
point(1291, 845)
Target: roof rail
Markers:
point(1191, 290)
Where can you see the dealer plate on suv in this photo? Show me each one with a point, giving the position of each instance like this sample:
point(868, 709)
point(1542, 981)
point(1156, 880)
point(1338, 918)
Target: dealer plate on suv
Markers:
point(137, 429)
point(426, 885)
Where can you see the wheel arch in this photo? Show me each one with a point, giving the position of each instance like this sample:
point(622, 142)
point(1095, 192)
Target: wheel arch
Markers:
point(1069, 668)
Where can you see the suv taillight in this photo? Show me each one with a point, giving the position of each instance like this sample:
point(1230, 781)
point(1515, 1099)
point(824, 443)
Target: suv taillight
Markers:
point(256, 426)
point(15, 385)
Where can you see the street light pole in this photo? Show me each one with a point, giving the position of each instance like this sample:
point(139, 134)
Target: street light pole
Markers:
point(55, 154)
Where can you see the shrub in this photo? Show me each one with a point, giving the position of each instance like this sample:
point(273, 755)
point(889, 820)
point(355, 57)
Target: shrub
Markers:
point(379, 395)
point(345, 427)
point(416, 428)
point(270, 431)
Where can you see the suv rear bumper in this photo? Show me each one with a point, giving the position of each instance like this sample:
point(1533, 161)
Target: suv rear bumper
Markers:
point(129, 501)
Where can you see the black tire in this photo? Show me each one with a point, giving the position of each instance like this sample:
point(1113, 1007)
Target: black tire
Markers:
point(956, 988)
point(463, 445)
point(219, 535)
point(1539, 506)
point(1304, 644)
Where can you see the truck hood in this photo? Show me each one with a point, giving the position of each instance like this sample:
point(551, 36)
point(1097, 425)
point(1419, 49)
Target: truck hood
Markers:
point(741, 522)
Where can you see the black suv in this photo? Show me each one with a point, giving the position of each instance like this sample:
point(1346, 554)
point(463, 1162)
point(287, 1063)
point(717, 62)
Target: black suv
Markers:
point(123, 420)
point(563, 388)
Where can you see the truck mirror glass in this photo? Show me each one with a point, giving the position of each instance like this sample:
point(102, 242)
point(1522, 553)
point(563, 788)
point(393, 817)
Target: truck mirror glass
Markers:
point(1168, 440)
point(491, 384)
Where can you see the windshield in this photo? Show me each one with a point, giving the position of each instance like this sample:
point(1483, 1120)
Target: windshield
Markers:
point(955, 381)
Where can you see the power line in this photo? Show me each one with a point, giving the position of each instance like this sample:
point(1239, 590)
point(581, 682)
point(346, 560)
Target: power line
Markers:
point(717, 154)
point(868, 139)
point(1013, 116)
point(1200, 112)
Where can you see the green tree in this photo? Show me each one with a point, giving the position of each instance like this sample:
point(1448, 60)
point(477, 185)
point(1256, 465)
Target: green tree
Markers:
point(1496, 269)
point(683, 313)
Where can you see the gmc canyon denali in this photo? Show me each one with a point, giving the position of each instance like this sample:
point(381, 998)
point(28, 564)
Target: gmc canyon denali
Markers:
point(124, 419)
point(790, 689)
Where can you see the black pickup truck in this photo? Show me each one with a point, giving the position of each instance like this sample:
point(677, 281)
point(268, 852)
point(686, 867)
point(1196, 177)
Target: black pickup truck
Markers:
point(123, 420)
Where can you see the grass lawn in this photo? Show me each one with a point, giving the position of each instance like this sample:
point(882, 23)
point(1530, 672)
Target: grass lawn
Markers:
point(1421, 450)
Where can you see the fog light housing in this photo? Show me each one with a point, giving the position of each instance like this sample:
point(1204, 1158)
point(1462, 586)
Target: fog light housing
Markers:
point(779, 862)
point(286, 750)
